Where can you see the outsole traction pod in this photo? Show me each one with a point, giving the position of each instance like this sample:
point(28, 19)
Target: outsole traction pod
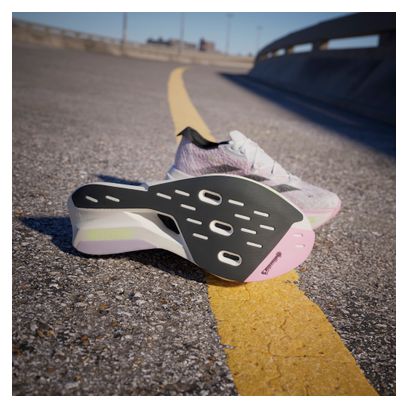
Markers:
point(231, 226)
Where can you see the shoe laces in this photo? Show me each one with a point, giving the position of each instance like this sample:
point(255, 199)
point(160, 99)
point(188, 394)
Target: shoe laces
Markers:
point(259, 160)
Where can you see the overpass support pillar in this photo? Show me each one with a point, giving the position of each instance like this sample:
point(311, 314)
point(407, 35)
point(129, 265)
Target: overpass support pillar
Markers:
point(320, 45)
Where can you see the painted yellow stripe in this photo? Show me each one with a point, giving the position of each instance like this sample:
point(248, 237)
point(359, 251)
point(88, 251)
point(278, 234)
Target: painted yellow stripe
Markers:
point(278, 342)
point(182, 109)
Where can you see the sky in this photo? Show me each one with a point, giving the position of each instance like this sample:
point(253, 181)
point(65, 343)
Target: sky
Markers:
point(245, 36)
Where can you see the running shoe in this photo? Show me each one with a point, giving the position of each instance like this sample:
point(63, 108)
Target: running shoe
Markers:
point(233, 227)
point(197, 156)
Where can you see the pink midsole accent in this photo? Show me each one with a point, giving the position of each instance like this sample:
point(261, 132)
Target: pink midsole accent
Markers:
point(112, 247)
point(290, 252)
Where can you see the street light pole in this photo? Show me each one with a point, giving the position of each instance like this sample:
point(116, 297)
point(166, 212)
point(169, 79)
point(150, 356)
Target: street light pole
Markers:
point(227, 40)
point(181, 33)
point(124, 31)
point(258, 38)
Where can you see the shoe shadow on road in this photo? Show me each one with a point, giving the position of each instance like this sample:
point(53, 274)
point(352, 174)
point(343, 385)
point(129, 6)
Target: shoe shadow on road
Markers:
point(59, 229)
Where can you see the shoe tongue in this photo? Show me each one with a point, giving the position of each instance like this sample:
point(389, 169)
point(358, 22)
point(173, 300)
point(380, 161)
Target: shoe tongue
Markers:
point(262, 158)
point(237, 136)
point(251, 148)
point(238, 139)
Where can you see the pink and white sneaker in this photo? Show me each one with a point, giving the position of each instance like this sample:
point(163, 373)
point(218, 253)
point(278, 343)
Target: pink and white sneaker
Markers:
point(197, 156)
point(233, 227)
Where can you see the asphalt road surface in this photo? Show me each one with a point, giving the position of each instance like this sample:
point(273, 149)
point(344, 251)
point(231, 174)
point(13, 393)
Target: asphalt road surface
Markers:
point(141, 323)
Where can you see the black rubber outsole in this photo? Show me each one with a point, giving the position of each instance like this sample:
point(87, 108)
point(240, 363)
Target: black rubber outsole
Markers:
point(229, 223)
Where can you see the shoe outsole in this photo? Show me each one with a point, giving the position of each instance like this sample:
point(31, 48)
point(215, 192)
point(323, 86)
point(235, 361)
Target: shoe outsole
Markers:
point(317, 218)
point(233, 227)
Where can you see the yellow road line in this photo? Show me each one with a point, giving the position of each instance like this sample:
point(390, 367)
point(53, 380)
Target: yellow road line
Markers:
point(278, 342)
point(182, 109)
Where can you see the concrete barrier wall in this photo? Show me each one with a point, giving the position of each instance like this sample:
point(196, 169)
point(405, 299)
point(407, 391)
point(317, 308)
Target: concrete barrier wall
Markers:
point(361, 83)
point(359, 80)
point(60, 38)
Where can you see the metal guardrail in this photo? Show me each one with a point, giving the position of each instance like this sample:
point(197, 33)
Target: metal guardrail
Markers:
point(45, 29)
point(64, 38)
point(319, 35)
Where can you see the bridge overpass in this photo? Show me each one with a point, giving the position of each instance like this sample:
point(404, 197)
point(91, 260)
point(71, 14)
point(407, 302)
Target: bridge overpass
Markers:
point(361, 80)
point(151, 323)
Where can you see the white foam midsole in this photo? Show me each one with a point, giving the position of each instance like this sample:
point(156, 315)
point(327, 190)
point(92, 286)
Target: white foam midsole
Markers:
point(98, 226)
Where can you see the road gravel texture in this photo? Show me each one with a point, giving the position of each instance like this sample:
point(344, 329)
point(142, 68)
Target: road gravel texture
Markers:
point(141, 323)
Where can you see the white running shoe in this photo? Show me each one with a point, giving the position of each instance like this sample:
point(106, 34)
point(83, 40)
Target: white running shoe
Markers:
point(197, 156)
point(231, 226)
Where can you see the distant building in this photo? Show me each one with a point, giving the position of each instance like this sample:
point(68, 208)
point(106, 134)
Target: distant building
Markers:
point(186, 45)
point(207, 46)
point(159, 41)
point(174, 43)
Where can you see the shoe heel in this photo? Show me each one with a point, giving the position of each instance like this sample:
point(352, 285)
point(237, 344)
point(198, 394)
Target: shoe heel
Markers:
point(104, 232)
